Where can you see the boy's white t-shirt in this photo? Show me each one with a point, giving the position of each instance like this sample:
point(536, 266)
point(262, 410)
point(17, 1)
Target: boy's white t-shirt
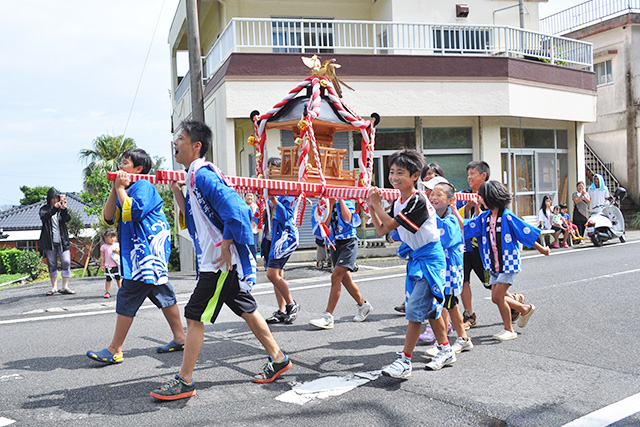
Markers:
point(417, 219)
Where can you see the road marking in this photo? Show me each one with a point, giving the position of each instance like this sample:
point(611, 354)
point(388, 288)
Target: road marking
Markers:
point(150, 306)
point(573, 251)
point(11, 377)
point(326, 387)
point(6, 421)
point(609, 414)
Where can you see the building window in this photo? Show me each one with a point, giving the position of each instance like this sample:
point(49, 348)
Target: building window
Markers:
point(603, 72)
point(25, 245)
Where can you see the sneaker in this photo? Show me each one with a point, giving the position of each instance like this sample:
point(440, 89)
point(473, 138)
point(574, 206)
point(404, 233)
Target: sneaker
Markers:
point(107, 295)
point(400, 308)
point(462, 345)
point(174, 389)
point(505, 335)
point(272, 370)
point(323, 322)
point(450, 328)
point(432, 351)
point(292, 313)
point(400, 368)
point(445, 357)
point(522, 322)
point(278, 316)
point(427, 335)
point(363, 312)
point(469, 320)
point(515, 314)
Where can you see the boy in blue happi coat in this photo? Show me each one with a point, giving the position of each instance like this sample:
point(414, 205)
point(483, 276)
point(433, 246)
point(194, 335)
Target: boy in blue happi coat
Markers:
point(499, 231)
point(219, 223)
point(341, 222)
point(279, 241)
point(145, 246)
point(415, 219)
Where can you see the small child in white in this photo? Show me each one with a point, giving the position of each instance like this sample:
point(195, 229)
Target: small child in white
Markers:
point(499, 231)
point(110, 261)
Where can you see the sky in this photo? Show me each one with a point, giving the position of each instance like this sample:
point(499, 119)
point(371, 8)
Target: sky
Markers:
point(70, 70)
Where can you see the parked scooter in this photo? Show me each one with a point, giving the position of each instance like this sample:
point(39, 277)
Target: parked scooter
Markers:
point(607, 223)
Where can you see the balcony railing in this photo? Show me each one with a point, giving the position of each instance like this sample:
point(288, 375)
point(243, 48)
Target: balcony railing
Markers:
point(587, 13)
point(388, 38)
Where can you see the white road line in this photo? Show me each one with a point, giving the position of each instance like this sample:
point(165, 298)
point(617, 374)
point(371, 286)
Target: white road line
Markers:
point(573, 251)
point(326, 387)
point(609, 414)
point(147, 307)
point(6, 421)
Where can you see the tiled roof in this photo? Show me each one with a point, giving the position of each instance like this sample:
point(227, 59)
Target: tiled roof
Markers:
point(28, 217)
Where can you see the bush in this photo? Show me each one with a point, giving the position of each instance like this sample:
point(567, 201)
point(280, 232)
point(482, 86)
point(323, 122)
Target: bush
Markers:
point(30, 262)
point(9, 261)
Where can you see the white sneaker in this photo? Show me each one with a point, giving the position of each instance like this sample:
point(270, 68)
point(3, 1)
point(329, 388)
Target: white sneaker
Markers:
point(400, 368)
point(323, 322)
point(461, 345)
point(363, 312)
point(505, 335)
point(445, 357)
point(432, 351)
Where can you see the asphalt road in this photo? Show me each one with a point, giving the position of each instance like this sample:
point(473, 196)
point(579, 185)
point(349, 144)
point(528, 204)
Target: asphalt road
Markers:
point(578, 354)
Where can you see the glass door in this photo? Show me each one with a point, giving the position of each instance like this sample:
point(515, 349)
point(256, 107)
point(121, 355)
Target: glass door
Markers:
point(522, 182)
point(546, 177)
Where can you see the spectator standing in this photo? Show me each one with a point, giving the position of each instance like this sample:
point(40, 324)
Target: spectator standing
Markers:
point(581, 202)
point(54, 240)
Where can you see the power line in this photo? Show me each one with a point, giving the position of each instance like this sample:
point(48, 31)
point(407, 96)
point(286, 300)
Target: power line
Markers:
point(142, 73)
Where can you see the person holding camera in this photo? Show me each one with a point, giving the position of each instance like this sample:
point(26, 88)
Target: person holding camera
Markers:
point(54, 240)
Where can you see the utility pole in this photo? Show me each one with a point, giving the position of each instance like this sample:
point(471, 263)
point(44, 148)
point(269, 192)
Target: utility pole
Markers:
point(195, 61)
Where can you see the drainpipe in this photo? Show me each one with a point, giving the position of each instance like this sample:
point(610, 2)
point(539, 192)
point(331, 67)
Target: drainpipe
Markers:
point(521, 8)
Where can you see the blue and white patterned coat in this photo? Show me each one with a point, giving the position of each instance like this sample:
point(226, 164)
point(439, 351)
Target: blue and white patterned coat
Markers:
point(453, 245)
point(510, 230)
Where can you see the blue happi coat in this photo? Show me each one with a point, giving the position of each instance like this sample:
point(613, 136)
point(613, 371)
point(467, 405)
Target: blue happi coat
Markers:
point(340, 229)
point(453, 245)
point(509, 231)
point(284, 235)
point(228, 214)
point(427, 263)
point(144, 234)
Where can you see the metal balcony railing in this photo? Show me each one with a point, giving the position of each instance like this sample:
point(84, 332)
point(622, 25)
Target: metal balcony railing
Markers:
point(587, 13)
point(388, 38)
point(595, 165)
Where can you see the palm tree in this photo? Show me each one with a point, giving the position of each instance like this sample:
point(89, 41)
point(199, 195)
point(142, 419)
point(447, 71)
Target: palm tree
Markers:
point(105, 155)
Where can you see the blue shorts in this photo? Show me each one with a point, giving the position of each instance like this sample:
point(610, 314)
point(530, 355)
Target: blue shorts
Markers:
point(422, 305)
point(507, 278)
point(133, 293)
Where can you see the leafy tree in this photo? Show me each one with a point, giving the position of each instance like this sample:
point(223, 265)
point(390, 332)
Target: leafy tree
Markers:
point(33, 194)
point(105, 155)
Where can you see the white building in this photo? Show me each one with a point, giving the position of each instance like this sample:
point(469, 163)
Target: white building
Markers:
point(456, 81)
point(614, 29)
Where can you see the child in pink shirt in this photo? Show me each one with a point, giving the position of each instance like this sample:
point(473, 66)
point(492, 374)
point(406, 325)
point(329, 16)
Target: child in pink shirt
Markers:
point(110, 260)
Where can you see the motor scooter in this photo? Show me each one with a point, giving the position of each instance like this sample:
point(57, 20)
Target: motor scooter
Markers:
point(607, 223)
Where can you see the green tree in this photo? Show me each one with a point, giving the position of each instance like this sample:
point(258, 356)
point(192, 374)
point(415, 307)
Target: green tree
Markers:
point(33, 194)
point(105, 155)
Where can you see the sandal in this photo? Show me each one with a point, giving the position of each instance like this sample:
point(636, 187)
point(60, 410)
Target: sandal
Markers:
point(105, 356)
point(170, 346)
point(51, 293)
point(66, 291)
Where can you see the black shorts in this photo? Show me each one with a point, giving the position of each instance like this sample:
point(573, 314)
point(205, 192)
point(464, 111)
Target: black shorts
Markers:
point(472, 261)
point(345, 253)
point(112, 273)
point(214, 289)
point(450, 301)
point(556, 227)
